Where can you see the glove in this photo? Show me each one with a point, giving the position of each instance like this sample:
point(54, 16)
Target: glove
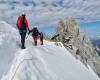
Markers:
point(29, 32)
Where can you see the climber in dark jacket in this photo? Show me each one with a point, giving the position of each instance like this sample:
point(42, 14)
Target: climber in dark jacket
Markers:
point(36, 34)
point(41, 37)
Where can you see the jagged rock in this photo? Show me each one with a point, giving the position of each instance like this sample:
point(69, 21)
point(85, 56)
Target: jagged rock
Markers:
point(78, 44)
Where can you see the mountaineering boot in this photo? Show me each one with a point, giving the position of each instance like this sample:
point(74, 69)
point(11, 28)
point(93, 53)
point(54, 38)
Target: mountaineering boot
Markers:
point(23, 47)
point(41, 43)
point(35, 43)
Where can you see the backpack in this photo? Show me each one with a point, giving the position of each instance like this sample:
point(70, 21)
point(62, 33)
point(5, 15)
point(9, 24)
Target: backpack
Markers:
point(23, 24)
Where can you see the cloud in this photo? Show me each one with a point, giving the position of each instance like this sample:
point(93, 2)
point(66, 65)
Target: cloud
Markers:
point(46, 12)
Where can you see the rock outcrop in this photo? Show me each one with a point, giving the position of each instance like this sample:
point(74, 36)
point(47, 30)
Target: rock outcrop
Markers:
point(77, 43)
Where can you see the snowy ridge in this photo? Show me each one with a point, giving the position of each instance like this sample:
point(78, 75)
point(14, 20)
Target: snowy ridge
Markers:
point(25, 60)
point(36, 64)
point(48, 62)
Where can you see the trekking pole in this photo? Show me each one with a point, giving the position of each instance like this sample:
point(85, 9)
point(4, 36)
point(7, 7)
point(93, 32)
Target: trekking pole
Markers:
point(27, 35)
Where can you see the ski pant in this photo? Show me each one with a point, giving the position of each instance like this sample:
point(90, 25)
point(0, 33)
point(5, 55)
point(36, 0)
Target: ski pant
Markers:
point(41, 39)
point(23, 35)
point(35, 40)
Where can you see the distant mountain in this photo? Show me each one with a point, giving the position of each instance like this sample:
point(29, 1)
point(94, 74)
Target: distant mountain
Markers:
point(96, 42)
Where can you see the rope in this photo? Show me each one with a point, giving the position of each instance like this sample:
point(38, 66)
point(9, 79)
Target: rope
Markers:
point(19, 66)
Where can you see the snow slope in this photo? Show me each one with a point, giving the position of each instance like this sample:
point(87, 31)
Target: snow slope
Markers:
point(48, 62)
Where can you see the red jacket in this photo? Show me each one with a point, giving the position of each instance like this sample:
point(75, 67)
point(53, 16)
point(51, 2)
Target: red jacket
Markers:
point(19, 23)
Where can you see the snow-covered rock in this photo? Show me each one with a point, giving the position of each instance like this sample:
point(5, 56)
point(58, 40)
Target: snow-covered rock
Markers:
point(78, 44)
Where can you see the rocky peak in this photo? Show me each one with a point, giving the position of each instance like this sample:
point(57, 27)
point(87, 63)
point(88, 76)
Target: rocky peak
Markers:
point(77, 43)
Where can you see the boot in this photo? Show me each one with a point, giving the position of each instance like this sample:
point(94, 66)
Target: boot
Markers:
point(35, 43)
point(23, 47)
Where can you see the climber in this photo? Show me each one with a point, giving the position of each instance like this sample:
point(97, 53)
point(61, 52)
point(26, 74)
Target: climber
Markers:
point(23, 26)
point(35, 35)
point(41, 37)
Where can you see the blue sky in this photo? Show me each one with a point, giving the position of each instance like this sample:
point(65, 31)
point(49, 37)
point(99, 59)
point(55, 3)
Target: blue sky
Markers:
point(91, 29)
point(50, 30)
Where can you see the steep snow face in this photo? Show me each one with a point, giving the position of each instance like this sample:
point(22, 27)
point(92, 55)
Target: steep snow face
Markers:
point(6, 28)
point(47, 62)
point(8, 46)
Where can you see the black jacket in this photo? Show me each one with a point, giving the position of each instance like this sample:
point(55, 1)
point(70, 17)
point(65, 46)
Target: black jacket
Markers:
point(35, 32)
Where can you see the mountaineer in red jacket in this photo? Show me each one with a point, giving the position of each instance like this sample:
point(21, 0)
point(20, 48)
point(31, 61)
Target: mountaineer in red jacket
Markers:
point(23, 26)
